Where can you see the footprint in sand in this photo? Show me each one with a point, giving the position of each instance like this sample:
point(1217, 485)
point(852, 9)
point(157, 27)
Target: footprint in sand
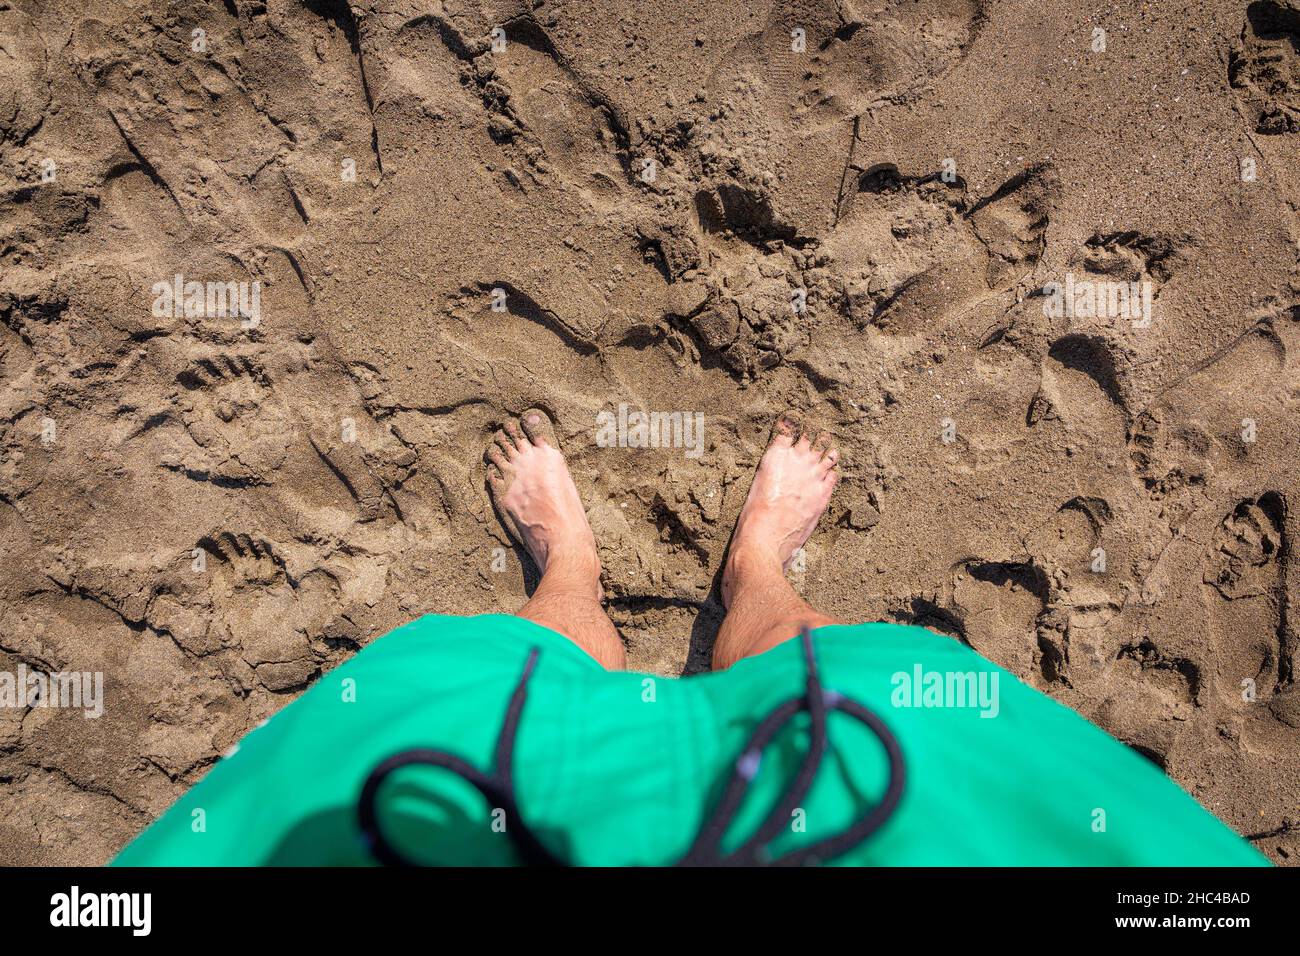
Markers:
point(1082, 388)
point(999, 604)
point(541, 115)
point(134, 197)
point(920, 252)
point(1068, 540)
point(236, 427)
point(1133, 256)
point(1264, 68)
point(1246, 596)
point(577, 134)
point(851, 57)
point(1076, 551)
point(273, 603)
point(509, 338)
point(1203, 421)
point(24, 82)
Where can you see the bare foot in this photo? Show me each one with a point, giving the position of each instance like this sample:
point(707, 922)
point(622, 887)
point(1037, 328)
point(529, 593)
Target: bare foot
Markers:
point(790, 493)
point(530, 483)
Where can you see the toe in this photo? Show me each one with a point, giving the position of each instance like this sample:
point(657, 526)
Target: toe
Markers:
point(506, 444)
point(538, 427)
point(496, 479)
point(788, 426)
point(823, 443)
point(831, 459)
point(516, 436)
point(805, 441)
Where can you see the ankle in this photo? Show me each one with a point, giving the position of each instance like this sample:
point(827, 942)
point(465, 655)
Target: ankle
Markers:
point(747, 564)
point(573, 568)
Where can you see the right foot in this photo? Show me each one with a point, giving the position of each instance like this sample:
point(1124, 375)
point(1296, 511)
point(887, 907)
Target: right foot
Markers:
point(531, 484)
point(789, 495)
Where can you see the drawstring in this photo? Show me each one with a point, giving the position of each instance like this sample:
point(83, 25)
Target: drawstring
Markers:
point(707, 848)
point(498, 787)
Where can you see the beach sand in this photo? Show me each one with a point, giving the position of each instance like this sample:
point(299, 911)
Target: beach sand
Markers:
point(669, 207)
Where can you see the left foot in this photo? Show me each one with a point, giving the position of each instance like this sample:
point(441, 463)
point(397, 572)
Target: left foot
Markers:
point(530, 483)
point(789, 495)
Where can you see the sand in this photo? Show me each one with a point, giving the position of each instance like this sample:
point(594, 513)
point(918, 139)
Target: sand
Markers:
point(662, 206)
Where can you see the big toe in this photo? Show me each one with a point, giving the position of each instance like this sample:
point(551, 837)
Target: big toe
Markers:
point(787, 429)
point(538, 427)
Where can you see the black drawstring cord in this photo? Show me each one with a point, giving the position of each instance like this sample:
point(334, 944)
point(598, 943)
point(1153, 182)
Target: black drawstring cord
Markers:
point(707, 848)
point(498, 788)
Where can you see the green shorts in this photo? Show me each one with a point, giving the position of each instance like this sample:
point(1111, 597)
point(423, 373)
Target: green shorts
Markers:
point(627, 768)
